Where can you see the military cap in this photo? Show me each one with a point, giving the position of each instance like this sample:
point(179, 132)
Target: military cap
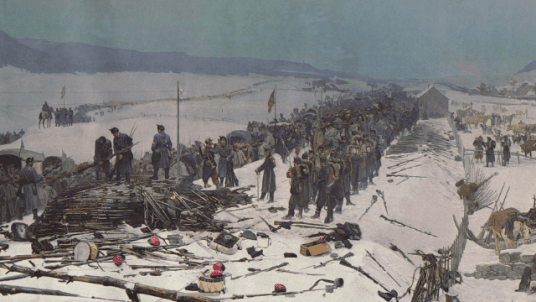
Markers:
point(160, 127)
point(114, 130)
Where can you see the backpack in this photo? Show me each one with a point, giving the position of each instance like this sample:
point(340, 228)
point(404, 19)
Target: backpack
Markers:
point(349, 231)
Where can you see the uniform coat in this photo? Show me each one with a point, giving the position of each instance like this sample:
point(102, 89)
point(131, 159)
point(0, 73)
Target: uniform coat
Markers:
point(102, 151)
point(161, 144)
point(120, 143)
point(268, 178)
point(226, 155)
point(29, 179)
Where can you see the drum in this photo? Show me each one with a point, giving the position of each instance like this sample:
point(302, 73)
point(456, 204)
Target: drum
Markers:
point(212, 284)
point(85, 250)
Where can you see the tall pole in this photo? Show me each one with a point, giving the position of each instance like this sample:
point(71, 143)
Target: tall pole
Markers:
point(178, 132)
point(275, 105)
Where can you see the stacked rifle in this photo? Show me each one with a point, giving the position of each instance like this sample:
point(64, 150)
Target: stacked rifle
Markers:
point(90, 207)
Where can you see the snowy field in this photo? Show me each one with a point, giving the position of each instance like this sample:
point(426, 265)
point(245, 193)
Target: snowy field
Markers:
point(426, 203)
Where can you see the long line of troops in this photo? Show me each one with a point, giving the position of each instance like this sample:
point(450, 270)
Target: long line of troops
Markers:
point(346, 145)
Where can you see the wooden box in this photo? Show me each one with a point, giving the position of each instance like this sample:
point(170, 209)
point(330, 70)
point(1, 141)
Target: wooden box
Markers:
point(314, 248)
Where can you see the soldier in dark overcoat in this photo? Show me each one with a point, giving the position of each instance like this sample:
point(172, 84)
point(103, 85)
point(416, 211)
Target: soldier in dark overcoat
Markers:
point(161, 148)
point(325, 181)
point(226, 154)
point(490, 151)
point(123, 161)
point(268, 178)
point(103, 149)
point(29, 180)
point(208, 164)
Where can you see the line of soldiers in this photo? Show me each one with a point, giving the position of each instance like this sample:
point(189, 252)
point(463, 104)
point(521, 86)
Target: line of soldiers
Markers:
point(10, 137)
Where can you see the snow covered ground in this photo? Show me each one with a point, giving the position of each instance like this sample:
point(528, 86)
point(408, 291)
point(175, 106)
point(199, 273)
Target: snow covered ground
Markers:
point(424, 203)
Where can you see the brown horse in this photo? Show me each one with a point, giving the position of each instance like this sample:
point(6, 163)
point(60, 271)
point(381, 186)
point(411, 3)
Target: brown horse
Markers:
point(44, 116)
point(507, 225)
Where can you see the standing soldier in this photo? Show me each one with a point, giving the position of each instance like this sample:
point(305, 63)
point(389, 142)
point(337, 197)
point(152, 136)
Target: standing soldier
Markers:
point(103, 149)
point(29, 179)
point(490, 151)
point(268, 178)
point(11, 193)
point(505, 144)
point(226, 154)
point(5, 215)
point(209, 164)
point(70, 115)
point(162, 148)
point(296, 190)
point(479, 148)
point(325, 182)
point(124, 159)
point(57, 117)
point(345, 179)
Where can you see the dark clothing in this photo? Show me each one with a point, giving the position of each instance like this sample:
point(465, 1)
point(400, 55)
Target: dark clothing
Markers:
point(30, 178)
point(121, 143)
point(161, 147)
point(479, 148)
point(226, 155)
point(208, 165)
point(45, 107)
point(103, 149)
point(70, 115)
point(268, 178)
point(490, 151)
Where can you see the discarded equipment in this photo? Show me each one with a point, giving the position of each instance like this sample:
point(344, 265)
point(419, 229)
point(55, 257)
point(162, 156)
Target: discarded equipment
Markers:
point(314, 248)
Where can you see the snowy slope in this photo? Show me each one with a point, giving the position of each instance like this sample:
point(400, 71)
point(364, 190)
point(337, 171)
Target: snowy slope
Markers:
point(413, 202)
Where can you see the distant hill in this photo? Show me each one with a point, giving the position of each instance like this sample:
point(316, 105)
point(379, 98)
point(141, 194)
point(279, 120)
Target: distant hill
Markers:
point(41, 56)
point(529, 67)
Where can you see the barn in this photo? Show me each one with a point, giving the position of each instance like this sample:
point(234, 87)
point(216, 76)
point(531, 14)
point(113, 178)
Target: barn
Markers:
point(432, 104)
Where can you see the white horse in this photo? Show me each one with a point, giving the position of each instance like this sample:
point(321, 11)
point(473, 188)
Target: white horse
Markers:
point(44, 116)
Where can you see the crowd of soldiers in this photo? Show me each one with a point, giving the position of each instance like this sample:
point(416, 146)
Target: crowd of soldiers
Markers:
point(10, 137)
point(346, 139)
point(489, 146)
point(62, 116)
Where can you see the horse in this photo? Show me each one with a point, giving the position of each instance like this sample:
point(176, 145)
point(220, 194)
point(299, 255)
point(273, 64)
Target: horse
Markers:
point(508, 225)
point(44, 116)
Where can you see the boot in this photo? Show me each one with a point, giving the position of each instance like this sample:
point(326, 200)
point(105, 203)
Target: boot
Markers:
point(166, 173)
point(155, 174)
point(288, 216)
point(329, 218)
point(127, 178)
point(299, 215)
point(338, 209)
point(35, 217)
point(348, 202)
point(271, 197)
point(118, 177)
point(21, 213)
point(317, 213)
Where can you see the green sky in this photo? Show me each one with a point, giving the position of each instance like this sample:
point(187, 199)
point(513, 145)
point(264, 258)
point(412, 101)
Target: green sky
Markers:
point(379, 38)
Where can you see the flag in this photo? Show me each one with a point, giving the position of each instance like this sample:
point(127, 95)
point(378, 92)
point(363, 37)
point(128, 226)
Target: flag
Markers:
point(271, 101)
point(63, 92)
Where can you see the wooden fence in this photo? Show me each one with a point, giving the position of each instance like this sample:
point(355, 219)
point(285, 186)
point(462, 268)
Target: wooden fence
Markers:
point(440, 272)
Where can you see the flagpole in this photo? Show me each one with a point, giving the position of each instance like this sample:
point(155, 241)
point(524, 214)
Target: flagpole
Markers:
point(178, 132)
point(275, 105)
point(64, 97)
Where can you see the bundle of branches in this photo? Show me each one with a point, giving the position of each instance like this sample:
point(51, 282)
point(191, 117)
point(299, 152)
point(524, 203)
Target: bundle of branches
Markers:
point(484, 196)
point(422, 134)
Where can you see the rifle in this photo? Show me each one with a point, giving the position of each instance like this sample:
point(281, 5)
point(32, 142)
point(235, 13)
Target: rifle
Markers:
point(271, 227)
